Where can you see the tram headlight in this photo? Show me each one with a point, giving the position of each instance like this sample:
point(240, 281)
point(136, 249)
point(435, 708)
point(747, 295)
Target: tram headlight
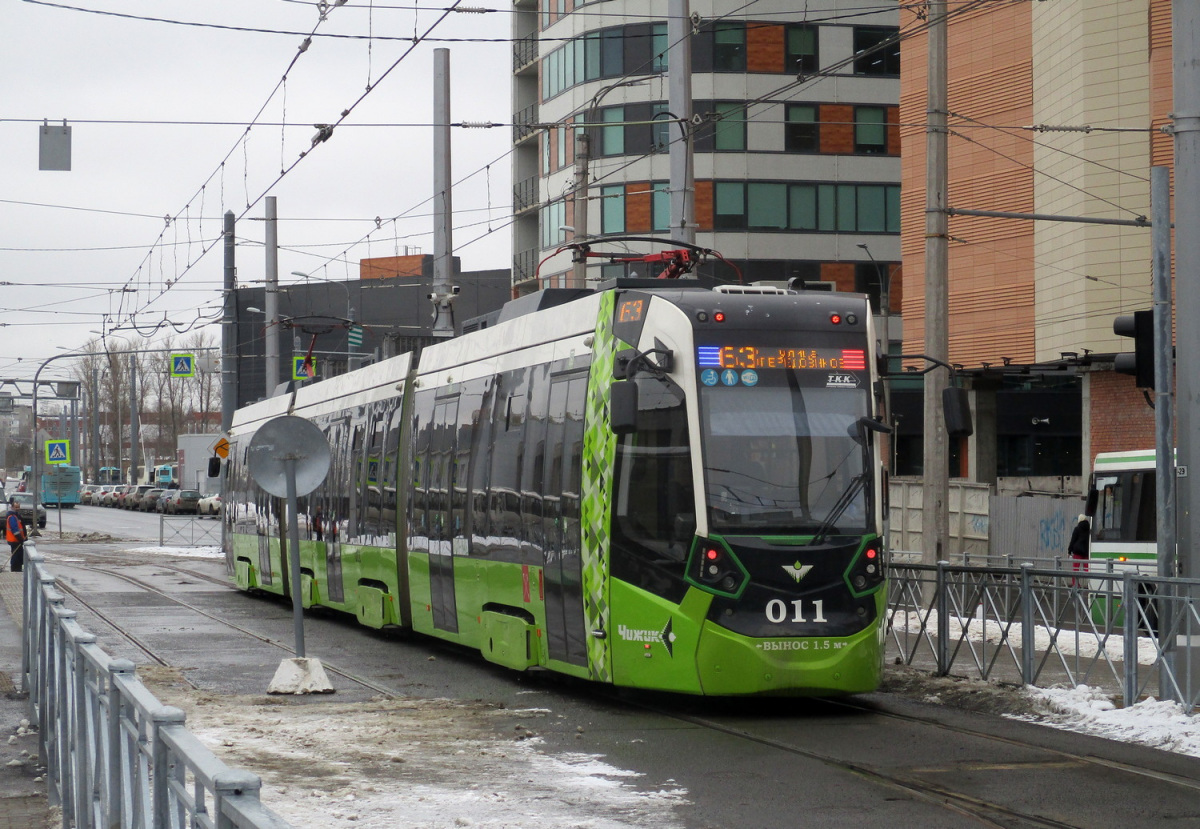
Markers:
point(713, 566)
point(866, 572)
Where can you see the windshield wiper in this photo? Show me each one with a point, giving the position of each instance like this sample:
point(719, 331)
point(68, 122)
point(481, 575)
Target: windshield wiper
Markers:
point(857, 484)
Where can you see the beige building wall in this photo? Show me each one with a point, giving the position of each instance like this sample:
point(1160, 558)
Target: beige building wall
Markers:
point(991, 277)
point(1091, 68)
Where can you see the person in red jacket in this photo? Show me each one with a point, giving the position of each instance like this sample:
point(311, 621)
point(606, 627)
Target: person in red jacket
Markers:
point(14, 533)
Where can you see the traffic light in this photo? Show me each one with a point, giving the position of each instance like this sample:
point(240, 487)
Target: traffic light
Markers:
point(1140, 326)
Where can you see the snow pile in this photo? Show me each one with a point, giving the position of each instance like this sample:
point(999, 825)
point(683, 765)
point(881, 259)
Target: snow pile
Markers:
point(1155, 723)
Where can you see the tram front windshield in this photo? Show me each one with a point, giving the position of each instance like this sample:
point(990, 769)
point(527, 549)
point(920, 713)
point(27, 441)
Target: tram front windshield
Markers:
point(785, 455)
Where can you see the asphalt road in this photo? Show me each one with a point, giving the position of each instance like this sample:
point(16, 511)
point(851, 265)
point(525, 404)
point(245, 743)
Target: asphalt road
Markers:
point(873, 761)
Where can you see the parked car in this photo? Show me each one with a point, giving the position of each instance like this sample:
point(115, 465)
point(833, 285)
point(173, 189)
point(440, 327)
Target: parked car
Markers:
point(183, 501)
point(110, 498)
point(133, 498)
point(161, 504)
point(209, 506)
point(25, 508)
point(87, 492)
point(149, 500)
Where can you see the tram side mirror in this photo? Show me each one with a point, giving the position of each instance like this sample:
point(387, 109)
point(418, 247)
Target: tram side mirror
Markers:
point(623, 407)
point(214, 467)
point(859, 428)
point(956, 407)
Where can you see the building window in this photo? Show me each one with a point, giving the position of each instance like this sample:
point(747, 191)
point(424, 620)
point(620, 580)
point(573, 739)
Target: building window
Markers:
point(729, 129)
point(766, 205)
point(802, 49)
point(612, 138)
point(612, 53)
point(829, 208)
point(658, 44)
point(660, 206)
point(661, 130)
point(612, 208)
point(729, 47)
point(870, 130)
point(729, 205)
point(801, 132)
point(876, 50)
point(562, 146)
point(553, 217)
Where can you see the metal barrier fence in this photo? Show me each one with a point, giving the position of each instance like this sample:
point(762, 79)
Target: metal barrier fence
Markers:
point(114, 755)
point(188, 531)
point(1124, 632)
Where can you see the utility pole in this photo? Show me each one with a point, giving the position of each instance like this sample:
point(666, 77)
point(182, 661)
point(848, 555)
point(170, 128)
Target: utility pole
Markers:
point(271, 297)
point(228, 334)
point(1185, 48)
point(134, 425)
point(94, 401)
point(583, 154)
point(682, 184)
point(936, 487)
point(443, 240)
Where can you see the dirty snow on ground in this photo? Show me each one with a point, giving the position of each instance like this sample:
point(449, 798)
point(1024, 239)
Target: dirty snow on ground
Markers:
point(416, 764)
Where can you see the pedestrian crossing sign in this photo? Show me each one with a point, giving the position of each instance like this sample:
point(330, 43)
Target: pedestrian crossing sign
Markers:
point(58, 451)
point(302, 369)
point(183, 365)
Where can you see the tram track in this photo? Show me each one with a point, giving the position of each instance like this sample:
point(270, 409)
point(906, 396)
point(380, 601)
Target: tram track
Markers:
point(979, 809)
point(77, 596)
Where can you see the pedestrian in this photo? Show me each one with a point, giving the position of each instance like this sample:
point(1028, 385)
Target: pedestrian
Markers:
point(14, 532)
point(317, 527)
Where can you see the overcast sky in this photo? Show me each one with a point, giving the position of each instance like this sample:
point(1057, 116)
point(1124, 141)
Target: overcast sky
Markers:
point(81, 250)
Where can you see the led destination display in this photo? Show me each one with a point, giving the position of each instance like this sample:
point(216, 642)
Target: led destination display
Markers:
point(769, 357)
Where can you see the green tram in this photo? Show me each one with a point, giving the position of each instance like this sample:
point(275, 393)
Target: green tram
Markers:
point(656, 485)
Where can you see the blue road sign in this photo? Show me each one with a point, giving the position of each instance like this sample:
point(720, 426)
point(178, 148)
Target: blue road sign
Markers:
point(183, 365)
point(58, 451)
point(301, 370)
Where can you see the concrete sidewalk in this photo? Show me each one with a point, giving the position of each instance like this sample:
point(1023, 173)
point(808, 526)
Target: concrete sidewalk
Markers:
point(23, 790)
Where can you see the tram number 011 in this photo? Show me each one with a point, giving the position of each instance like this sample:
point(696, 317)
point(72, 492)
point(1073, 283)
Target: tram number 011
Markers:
point(777, 611)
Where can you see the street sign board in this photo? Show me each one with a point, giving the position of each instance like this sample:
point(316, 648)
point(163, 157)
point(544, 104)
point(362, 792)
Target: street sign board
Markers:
point(58, 451)
point(221, 448)
point(302, 369)
point(183, 365)
point(355, 336)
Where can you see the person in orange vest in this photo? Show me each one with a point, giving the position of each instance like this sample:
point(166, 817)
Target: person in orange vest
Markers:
point(14, 533)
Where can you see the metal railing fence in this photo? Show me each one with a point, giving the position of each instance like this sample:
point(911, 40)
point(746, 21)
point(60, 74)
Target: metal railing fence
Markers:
point(1122, 631)
point(114, 755)
point(188, 531)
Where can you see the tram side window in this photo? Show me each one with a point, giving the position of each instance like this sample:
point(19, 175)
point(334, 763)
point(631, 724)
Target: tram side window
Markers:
point(481, 465)
point(465, 443)
point(654, 503)
point(507, 457)
point(532, 472)
point(573, 472)
point(418, 519)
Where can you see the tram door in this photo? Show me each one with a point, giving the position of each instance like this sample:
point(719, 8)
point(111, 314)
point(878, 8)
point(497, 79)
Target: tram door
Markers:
point(566, 634)
point(442, 471)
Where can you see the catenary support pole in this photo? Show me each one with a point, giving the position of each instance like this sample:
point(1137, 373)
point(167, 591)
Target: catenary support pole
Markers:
point(682, 183)
point(228, 334)
point(443, 240)
point(271, 297)
point(935, 489)
point(1185, 39)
